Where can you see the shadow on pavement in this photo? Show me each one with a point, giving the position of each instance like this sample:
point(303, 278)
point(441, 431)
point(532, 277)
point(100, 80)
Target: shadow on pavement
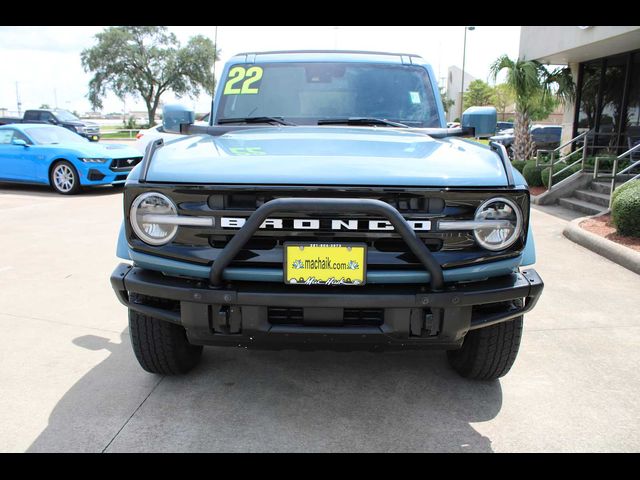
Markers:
point(253, 400)
point(46, 191)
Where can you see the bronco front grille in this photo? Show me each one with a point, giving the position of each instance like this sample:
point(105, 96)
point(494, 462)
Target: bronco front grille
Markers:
point(385, 249)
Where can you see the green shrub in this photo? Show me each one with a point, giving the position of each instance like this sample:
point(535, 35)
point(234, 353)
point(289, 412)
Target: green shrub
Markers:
point(532, 174)
point(518, 164)
point(625, 211)
point(624, 187)
point(605, 164)
point(558, 178)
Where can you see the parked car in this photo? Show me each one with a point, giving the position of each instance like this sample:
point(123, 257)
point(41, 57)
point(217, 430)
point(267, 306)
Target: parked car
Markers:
point(144, 137)
point(502, 126)
point(546, 137)
point(360, 223)
point(62, 118)
point(47, 154)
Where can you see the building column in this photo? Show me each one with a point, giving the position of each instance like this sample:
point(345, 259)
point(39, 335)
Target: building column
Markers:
point(569, 113)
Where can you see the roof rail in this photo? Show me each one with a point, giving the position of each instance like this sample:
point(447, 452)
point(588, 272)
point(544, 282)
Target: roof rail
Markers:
point(365, 52)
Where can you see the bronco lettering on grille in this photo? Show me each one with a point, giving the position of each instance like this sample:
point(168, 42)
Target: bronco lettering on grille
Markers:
point(325, 224)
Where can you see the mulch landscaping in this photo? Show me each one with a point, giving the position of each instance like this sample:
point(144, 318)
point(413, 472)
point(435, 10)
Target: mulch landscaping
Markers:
point(537, 190)
point(604, 227)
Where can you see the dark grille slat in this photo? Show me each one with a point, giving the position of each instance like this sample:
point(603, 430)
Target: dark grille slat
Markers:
point(351, 316)
point(363, 316)
point(283, 315)
point(405, 203)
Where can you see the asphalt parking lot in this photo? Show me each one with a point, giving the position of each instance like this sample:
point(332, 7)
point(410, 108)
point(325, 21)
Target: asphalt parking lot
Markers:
point(70, 382)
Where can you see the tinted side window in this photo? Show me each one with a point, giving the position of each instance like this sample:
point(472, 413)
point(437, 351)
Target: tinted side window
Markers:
point(21, 136)
point(29, 115)
point(6, 136)
point(555, 132)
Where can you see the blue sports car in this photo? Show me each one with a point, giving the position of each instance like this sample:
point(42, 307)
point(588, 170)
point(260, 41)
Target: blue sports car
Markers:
point(47, 154)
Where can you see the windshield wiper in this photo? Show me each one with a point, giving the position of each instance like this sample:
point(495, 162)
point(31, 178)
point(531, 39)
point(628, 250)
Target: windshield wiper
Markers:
point(361, 121)
point(278, 120)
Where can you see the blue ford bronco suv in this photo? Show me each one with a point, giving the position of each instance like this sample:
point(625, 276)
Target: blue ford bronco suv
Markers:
point(327, 206)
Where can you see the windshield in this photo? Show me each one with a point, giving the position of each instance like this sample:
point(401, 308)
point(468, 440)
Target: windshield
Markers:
point(304, 93)
point(65, 116)
point(49, 135)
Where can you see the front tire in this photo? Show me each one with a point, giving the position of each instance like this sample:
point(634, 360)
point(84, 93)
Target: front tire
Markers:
point(64, 178)
point(161, 347)
point(488, 353)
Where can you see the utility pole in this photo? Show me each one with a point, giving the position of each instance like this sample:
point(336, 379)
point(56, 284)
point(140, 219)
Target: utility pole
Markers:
point(215, 54)
point(18, 101)
point(464, 53)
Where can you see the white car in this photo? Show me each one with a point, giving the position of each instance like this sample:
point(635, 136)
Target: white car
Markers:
point(144, 137)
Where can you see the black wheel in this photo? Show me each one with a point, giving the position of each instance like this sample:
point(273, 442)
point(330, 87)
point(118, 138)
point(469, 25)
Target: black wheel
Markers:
point(161, 347)
point(488, 353)
point(64, 178)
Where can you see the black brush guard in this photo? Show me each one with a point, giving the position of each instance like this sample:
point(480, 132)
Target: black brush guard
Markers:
point(327, 205)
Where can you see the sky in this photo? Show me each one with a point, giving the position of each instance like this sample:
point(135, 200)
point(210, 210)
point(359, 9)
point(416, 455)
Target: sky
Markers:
point(45, 61)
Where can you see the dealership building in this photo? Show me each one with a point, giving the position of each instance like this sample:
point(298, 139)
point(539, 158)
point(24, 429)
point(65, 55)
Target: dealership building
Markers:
point(605, 62)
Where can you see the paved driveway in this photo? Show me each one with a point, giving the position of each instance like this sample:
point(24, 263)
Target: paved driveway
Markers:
point(69, 380)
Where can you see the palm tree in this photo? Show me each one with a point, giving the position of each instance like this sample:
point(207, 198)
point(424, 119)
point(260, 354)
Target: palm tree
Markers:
point(531, 83)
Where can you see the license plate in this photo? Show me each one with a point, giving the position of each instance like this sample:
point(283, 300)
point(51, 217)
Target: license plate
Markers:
point(325, 264)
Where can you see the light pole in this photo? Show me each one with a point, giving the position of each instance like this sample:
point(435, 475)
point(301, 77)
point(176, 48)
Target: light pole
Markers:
point(464, 54)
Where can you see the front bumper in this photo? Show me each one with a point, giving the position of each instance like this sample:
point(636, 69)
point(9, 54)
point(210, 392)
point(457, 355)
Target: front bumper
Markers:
point(102, 176)
point(410, 316)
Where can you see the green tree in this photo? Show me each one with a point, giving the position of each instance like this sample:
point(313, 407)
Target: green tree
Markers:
point(45, 106)
point(542, 107)
point(447, 103)
point(478, 94)
point(532, 84)
point(148, 61)
point(503, 98)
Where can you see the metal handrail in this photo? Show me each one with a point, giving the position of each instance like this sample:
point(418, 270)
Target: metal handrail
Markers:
point(583, 159)
point(573, 140)
point(624, 170)
point(584, 148)
point(555, 150)
point(560, 171)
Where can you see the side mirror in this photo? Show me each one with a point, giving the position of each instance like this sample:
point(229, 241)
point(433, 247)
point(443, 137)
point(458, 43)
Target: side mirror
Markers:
point(19, 141)
point(482, 119)
point(174, 115)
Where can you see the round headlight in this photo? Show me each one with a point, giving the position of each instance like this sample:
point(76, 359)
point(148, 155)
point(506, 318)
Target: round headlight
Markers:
point(502, 221)
point(145, 210)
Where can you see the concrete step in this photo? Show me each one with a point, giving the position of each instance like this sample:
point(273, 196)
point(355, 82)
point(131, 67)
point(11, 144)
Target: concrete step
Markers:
point(581, 206)
point(600, 187)
point(601, 199)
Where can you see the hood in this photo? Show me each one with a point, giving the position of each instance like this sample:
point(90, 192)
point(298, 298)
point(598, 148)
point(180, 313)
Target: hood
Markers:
point(327, 156)
point(100, 150)
point(81, 123)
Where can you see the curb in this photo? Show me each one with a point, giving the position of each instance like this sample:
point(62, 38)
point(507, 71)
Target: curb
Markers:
point(619, 254)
